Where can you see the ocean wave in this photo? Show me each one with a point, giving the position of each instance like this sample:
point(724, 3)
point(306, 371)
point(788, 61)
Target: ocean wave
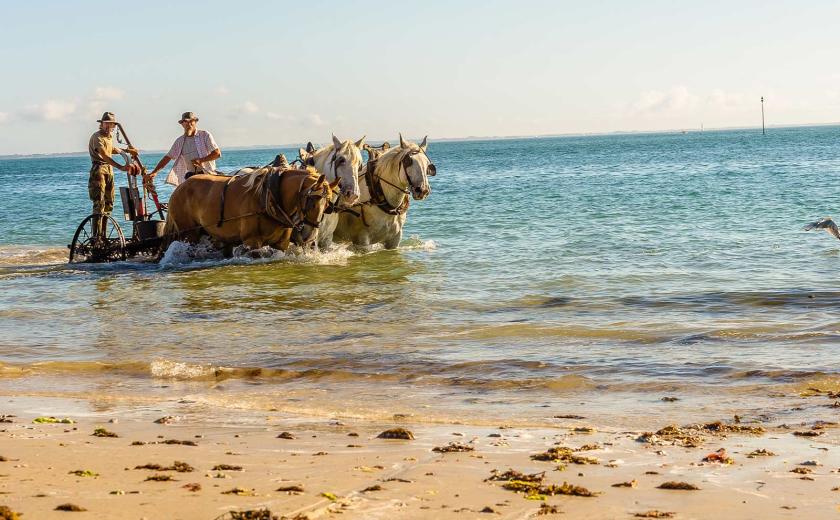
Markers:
point(23, 255)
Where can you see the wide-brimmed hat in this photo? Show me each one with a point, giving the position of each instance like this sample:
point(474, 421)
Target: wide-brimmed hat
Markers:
point(188, 116)
point(107, 117)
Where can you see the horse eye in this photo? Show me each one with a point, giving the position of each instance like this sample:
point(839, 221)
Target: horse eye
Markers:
point(432, 170)
point(407, 161)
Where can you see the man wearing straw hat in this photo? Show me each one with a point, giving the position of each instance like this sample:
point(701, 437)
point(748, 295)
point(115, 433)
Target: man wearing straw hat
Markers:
point(101, 182)
point(194, 152)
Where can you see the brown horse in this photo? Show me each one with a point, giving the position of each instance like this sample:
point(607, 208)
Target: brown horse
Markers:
point(258, 209)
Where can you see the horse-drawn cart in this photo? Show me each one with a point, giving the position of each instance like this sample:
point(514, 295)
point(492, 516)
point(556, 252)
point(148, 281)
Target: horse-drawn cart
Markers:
point(111, 245)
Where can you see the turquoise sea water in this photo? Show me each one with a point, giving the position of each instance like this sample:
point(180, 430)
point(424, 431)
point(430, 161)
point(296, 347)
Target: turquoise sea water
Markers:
point(540, 272)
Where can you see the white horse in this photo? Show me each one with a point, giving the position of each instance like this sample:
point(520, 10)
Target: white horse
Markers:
point(339, 160)
point(386, 185)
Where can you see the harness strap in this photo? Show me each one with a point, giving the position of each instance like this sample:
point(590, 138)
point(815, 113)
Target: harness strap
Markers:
point(377, 194)
point(222, 209)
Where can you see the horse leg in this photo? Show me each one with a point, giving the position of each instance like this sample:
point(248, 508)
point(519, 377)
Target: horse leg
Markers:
point(394, 241)
point(283, 242)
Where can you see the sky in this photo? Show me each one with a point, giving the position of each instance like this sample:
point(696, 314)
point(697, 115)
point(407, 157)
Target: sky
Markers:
point(263, 73)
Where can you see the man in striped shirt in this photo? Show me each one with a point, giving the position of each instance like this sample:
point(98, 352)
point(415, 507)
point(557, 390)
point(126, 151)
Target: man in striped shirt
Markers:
point(194, 152)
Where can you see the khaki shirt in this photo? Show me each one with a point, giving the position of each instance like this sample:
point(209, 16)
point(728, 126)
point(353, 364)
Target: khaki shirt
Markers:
point(99, 147)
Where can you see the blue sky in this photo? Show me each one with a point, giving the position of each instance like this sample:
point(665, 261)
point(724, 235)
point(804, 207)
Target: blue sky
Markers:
point(281, 72)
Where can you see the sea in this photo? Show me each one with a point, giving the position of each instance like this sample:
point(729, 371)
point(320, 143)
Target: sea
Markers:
point(543, 278)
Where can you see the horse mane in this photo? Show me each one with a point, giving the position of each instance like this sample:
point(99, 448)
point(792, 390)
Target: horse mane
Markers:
point(388, 164)
point(255, 181)
point(345, 149)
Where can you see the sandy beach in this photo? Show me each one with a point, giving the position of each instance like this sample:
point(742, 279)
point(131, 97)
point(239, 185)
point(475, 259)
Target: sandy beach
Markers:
point(121, 464)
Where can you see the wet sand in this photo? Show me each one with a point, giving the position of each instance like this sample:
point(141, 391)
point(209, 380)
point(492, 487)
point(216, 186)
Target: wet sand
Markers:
point(342, 467)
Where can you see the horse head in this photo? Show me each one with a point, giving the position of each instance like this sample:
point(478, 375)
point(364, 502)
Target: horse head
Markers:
point(315, 201)
point(339, 160)
point(417, 166)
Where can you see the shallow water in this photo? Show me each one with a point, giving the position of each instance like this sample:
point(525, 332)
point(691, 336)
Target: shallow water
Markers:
point(606, 270)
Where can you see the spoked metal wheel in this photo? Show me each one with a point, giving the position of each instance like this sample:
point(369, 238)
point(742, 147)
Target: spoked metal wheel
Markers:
point(87, 247)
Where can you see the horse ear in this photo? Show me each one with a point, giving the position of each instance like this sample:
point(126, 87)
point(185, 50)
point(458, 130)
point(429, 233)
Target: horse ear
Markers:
point(336, 142)
point(424, 144)
point(310, 147)
point(386, 145)
point(361, 141)
point(366, 147)
point(403, 144)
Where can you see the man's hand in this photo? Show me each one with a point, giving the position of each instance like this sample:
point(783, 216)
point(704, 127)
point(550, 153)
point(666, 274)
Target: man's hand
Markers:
point(152, 175)
point(196, 163)
point(132, 150)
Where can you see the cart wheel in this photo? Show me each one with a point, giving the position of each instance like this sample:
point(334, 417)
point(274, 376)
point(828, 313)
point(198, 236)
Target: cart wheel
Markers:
point(87, 248)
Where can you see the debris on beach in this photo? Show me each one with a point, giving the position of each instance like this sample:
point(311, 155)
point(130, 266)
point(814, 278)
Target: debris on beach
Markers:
point(628, 484)
point(537, 491)
point(102, 432)
point(569, 416)
point(242, 492)
point(70, 507)
point(719, 456)
point(761, 452)
point(396, 433)
point(291, 489)
point(226, 467)
point(251, 514)
point(83, 473)
point(329, 496)
point(286, 435)
point(176, 441)
point(375, 487)
point(721, 427)
point(563, 454)
point(801, 470)
point(453, 447)
point(515, 475)
point(168, 419)
point(672, 435)
point(8, 514)
point(53, 420)
point(584, 429)
point(672, 484)
point(808, 433)
point(192, 486)
point(546, 509)
point(180, 467)
point(654, 513)
point(397, 479)
point(669, 399)
point(6, 418)
point(159, 478)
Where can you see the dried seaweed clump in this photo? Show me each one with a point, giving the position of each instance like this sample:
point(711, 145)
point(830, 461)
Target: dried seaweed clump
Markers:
point(226, 467)
point(453, 447)
point(808, 433)
point(70, 507)
point(761, 452)
point(512, 474)
point(251, 514)
point(396, 433)
point(546, 509)
point(672, 435)
point(52, 420)
point(102, 432)
point(563, 454)
point(655, 513)
point(291, 489)
point(83, 473)
point(180, 467)
point(628, 484)
point(536, 491)
point(721, 427)
point(242, 492)
point(160, 478)
point(8, 514)
point(286, 435)
point(671, 484)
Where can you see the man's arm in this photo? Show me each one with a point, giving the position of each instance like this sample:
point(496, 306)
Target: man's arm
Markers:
point(100, 151)
point(159, 166)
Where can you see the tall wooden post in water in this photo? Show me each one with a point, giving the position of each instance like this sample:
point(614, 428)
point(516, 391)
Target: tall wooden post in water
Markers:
point(762, 116)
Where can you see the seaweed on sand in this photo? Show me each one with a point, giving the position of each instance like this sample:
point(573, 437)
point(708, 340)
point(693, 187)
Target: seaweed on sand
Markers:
point(70, 507)
point(546, 509)
point(83, 473)
point(291, 489)
point(673, 435)
point(563, 454)
point(655, 513)
point(671, 484)
point(453, 447)
point(242, 492)
point(8, 514)
point(536, 489)
point(286, 435)
point(226, 467)
point(250, 514)
point(180, 467)
point(512, 474)
point(52, 420)
point(628, 484)
point(160, 478)
point(192, 486)
point(761, 452)
point(396, 433)
point(102, 432)
point(721, 427)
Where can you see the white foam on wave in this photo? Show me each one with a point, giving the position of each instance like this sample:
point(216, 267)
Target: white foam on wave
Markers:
point(177, 370)
point(415, 243)
point(32, 255)
point(203, 254)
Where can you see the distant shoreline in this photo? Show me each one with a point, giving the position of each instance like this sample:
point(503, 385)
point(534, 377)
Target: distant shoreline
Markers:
point(461, 139)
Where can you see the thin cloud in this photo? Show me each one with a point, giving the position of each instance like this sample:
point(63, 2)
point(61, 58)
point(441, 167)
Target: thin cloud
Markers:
point(221, 90)
point(107, 93)
point(677, 99)
point(50, 110)
point(3, 117)
point(305, 121)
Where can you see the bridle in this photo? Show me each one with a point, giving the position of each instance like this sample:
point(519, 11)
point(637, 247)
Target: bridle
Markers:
point(378, 194)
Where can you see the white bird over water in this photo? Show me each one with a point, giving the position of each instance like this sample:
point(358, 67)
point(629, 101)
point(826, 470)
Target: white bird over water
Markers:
point(825, 223)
